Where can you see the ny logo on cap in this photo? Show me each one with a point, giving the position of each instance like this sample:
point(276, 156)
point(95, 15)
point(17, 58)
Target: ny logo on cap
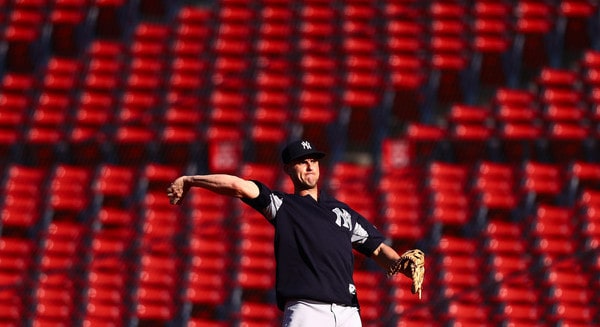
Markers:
point(306, 145)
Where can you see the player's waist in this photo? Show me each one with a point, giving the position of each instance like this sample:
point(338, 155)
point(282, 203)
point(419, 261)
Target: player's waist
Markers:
point(317, 304)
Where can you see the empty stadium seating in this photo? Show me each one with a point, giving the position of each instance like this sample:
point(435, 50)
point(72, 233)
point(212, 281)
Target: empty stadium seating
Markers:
point(479, 122)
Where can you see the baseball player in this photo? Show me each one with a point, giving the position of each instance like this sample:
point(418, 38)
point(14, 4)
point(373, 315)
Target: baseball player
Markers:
point(314, 238)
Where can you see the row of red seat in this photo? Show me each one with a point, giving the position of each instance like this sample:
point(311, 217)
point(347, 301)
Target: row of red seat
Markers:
point(502, 241)
point(147, 39)
point(539, 279)
point(112, 256)
point(206, 229)
point(516, 248)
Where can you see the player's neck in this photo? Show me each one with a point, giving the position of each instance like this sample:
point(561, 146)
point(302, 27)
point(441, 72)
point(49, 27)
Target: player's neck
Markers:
point(313, 192)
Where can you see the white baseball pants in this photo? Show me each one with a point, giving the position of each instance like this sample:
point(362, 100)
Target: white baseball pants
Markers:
point(303, 313)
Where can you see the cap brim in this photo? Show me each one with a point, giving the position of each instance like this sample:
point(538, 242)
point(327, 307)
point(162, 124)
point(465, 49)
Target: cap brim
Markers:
point(316, 155)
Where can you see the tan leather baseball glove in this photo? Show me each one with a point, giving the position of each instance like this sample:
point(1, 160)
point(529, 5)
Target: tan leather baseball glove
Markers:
point(412, 265)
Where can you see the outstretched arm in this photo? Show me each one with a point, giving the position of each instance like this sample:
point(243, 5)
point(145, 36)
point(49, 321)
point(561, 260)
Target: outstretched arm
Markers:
point(219, 183)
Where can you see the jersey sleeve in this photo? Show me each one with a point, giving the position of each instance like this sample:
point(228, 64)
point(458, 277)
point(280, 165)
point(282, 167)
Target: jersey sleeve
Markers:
point(365, 236)
point(267, 202)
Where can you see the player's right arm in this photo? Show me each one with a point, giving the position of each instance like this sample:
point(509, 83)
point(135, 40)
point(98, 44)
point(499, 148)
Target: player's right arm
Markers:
point(219, 183)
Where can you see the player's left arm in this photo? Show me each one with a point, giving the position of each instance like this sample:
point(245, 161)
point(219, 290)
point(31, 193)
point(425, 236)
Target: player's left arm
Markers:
point(411, 263)
point(385, 256)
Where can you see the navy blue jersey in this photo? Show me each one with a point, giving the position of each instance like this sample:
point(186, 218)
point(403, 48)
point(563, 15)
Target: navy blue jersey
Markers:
point(313, 245)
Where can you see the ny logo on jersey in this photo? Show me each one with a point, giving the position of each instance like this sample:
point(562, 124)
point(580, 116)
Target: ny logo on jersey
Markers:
point(306, 145)
point(343, 218)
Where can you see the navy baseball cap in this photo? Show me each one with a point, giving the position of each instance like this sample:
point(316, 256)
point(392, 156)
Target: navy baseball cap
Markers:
point(300, 149)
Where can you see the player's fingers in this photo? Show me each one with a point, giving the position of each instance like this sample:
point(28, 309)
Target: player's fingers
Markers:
point(170, 190)
point(175, 189)
point(173, 194)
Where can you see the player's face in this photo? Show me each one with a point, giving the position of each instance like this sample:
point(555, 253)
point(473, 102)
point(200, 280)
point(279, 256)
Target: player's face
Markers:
point(304, 173)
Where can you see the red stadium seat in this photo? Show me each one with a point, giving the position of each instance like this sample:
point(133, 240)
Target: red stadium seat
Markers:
point(450, 209)
point(561, 96)
point(101, 81)
point(105, 49)
point(551, 223)
point(470, 142)
point(491, 176)
point(466, 313)
point(441, 10)
point(55, 289)
point(258, 314)
point(315, 114)
point(571, 313)
point(423, 140)
point(69, 191)
point(62, 75)
point(154, 311)
point(132, 143)
point(51, 110)
point(550, 78)
point(14, 265)
point(491, 42)
point(514, 96)
point(66, 24)
point(201, 322)
point(535, 21)
point(553, 247)
point(542, 183)
point(52, 314)
point(265, 173)
point(20, 40)
point(155, 297)
point(555, 79)
point(518, 113)
point(465, 114)
point(565, 114)
point(590, 58)
point(22, 205)
point(446, 176)
point(225, 151)
point(255, 281)
point(158, 177)
point(567, 142)
point(575, 28)
point(102, 313)
point(447, 67)
point(456, 252)
point(136, 108)
point(403, 224)
point(590, 224)
point(408, 76)
point(193, 15)
point(13, 106)
point(589, 197)
point(520, 141)
point(113, 185)
point(206, 295)
point(83, 107)
point(41, 143)
point(517, 313)
point(159, 231)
